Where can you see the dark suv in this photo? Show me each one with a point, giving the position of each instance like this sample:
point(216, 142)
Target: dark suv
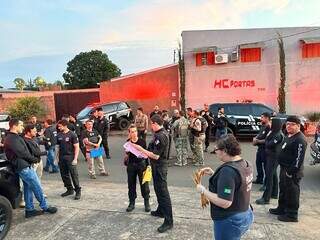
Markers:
point(10, 195)
point(118, 113)
point(244, 118)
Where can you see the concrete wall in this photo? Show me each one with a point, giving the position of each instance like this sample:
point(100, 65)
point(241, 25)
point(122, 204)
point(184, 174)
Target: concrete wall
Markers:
point(256, 81)
point(146, 89)
point(46, 98)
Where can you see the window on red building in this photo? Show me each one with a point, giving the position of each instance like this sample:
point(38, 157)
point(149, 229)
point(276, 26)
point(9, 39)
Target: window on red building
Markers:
point(310, 50)
point(250, 54)
point(206, 58)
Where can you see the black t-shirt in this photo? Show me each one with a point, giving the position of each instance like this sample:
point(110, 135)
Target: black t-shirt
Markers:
point(232, 185)
point(66, 142)
point(159, 146)
point(133, 158)
point(92, 136)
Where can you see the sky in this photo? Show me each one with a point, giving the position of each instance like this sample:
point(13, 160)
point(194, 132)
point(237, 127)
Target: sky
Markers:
point(39, 37)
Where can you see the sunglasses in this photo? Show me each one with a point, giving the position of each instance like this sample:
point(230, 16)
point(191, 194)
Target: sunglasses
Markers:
point(215, 150)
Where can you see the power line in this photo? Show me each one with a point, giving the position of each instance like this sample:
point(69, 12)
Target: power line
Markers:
point(267, 40)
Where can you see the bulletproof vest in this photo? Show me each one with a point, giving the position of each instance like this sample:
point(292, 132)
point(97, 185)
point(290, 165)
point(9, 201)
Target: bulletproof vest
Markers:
point(183, 127)
point(241, 199)
point(153, 143)
point(197, 133)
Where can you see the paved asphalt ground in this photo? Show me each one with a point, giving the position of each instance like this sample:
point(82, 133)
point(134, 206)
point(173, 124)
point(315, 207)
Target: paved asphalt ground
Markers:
point(100, 214)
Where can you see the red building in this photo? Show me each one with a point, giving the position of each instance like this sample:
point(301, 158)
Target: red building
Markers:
point(159, 86)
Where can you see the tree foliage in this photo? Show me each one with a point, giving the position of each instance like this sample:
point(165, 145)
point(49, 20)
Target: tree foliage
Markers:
point(87, 69)
point(19, 83)
point(39, 82)
point(182, 72)
point(25, 107)
point(281, 91)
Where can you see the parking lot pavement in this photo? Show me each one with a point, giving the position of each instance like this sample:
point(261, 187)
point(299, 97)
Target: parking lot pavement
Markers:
point(100, 214)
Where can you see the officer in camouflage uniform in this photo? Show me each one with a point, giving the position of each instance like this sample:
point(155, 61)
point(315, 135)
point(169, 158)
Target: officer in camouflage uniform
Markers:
point(190, 118)
point(199, 138)
point(180, 137)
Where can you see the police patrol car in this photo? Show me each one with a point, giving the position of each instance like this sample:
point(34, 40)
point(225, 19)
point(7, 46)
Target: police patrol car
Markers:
point(244, 118)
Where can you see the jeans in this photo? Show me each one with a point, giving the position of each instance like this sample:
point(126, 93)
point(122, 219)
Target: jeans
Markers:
point(50, 159)
point(220, 132)
point(31, 185)
point(232, 228)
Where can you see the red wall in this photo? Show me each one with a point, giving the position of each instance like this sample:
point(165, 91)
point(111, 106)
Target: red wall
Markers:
point(158, 86)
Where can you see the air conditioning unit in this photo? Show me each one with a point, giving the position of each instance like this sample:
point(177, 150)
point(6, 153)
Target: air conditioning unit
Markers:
point(234, 56)
point(221, 58)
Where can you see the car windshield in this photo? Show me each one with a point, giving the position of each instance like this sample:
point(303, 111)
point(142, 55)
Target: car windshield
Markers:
point(3, 117)
point(84, 112)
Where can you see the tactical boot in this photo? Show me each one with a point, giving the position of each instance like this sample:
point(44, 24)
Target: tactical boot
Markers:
point(78, 195)
point(67, 193)
point(131, 206)
point(147, 205)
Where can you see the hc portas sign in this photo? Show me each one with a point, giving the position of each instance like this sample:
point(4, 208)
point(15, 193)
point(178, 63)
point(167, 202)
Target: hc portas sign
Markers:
point(227, 83)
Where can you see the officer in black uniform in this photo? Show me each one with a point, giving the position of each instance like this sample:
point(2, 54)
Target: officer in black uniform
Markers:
point(206, 114)
point(78, 129)
point(101, 124)
point(157, 151)
point(272, 146)
point(291, 160)
point(68, 158)
point(259, 141)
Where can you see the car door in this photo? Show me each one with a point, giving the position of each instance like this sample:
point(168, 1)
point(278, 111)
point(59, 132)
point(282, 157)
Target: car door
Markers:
point(245, 123)
point(110, 113)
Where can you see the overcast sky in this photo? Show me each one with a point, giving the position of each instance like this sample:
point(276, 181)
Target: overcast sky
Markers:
point(38, 37)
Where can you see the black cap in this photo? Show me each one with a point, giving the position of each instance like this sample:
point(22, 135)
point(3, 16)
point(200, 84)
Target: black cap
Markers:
point(156, 118)
point(293, 119)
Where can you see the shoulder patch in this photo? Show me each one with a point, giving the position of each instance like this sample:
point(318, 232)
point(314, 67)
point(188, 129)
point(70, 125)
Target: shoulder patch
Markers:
point(227, 190)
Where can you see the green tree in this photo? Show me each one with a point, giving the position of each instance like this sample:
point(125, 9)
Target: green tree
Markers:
point(182, 74)
point(89, 68)
point(39, 82)
point(20, 83)
point(25, 107)
point(281, 90)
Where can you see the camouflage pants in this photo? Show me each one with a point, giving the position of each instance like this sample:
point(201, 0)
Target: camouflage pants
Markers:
point(198, 149)
point(182, 150)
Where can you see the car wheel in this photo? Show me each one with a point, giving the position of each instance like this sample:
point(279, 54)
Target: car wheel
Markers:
point(123, 124)
point(5, 216)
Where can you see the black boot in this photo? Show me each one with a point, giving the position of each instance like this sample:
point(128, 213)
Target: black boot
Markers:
point(131, 206)
point(147, 205)
point(165, 227)
point(78, 195)
point(67, 193)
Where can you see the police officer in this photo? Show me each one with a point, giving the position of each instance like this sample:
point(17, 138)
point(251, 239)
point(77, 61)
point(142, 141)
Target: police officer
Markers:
point(198, 132)
point(180, 137)
point(135, 168)
point(78, 129)
point(221, 123)
point(291, 160)
point(157, 154)
point(206, 114)
point(259, 141)
point(101, 124)
point(272, 146)
point(229, 191)
point(50, 142)
point(18, 154)
point(68, 158)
